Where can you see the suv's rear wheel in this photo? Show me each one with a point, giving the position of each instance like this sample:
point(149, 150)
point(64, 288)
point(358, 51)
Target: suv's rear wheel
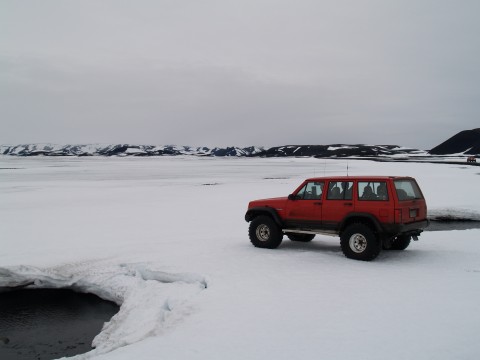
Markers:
point(301, 237)
point(359, 242)
point(401, 242)
point(265, 233)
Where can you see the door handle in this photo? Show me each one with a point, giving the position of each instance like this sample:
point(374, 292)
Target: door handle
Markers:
point(317, 203)
point(348, 204)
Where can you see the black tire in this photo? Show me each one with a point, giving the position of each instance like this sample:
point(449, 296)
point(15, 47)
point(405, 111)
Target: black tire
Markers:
point(387, 244)
point(265, 233)
point(301, 237)
point(359, 242)
point(401, 242)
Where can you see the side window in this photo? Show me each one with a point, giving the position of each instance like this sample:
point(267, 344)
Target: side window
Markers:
point(340, 190)
point(372, 190)
point(311, 191)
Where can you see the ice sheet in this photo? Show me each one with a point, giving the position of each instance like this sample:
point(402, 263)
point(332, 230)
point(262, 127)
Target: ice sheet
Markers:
point(151, 235)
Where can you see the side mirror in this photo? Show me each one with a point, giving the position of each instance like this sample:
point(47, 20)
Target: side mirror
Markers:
point(292, 197)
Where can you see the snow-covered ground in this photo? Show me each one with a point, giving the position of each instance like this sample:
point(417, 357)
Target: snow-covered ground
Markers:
point(166, 238)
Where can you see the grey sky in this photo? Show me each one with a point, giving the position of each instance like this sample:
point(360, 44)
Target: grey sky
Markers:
point(250, 72)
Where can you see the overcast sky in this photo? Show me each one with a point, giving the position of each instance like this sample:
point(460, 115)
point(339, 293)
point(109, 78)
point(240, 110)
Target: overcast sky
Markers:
point(244, 72)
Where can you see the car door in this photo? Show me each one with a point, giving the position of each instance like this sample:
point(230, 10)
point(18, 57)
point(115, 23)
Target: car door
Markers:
point(304, 208)
point(374, 197)
point(338, 203)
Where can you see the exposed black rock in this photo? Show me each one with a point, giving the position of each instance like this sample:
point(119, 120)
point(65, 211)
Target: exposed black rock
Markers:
point(467, 142)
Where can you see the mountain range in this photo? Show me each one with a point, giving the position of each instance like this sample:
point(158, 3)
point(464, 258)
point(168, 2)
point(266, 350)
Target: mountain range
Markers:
point(336, 150)
point(466, 142)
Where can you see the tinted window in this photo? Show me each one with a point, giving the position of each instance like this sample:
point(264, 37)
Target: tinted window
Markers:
point(340, 190)
point(372, 190)
point(407, 190)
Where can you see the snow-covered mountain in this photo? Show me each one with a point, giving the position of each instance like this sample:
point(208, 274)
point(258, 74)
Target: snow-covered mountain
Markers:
point(464, 143)
point(336, 150)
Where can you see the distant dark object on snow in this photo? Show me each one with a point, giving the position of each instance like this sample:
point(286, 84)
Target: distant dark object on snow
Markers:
point(467, 142)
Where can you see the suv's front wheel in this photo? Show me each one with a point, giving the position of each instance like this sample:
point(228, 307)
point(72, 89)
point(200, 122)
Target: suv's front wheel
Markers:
point(359, 242)
point(265, 233)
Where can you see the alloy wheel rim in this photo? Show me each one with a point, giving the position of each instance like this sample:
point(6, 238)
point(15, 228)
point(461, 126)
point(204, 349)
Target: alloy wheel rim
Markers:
point(358, 243)
point(263, 233)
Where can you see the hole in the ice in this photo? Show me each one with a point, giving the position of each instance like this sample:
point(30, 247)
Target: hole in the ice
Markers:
point(50, 323)
point(446, 224)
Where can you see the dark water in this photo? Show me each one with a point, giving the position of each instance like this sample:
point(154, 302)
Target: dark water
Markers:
point(447, 225)
point(50, 323)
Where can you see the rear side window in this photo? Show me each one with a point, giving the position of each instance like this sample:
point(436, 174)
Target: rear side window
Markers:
point(340, 190)
point(407, 190)
point(372, 190)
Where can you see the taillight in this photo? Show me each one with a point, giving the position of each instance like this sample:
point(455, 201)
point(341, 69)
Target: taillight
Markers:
point(398, 216)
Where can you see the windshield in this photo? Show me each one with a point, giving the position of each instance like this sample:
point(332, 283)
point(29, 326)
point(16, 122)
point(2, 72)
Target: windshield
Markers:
point(407, 190)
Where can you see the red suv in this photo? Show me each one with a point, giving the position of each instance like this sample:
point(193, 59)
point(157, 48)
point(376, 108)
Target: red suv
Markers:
point(367, 212)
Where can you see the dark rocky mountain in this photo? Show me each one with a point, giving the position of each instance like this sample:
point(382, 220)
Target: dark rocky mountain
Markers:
point(336, 150)
point(466, 142)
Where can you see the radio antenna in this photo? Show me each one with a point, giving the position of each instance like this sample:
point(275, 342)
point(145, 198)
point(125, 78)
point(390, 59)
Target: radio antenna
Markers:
point(347, 167)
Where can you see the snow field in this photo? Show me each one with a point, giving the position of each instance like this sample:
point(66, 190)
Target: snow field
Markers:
point(166, 238)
